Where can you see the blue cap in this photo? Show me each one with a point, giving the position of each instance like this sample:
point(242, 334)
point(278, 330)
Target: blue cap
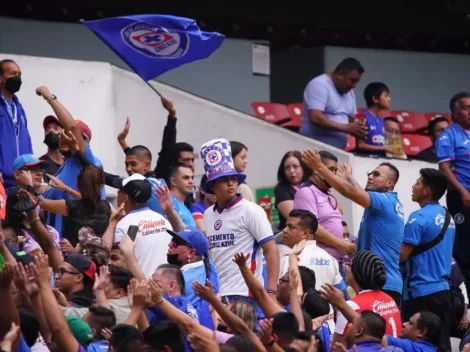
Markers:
point(194, 238)
point(28, 160)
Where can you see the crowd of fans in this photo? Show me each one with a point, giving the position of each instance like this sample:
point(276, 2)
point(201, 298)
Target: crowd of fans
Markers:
point(177, 267)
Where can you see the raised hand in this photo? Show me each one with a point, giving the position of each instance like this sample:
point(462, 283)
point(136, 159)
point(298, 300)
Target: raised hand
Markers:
point(168, 105)
point(312, 159)
point(56, 183)
point(125, 131)
point(240, 259)
point(103, 279)
point(298, 248)
point(117, 214)
point(164, 197)
point(206, 292)
point(70, 140)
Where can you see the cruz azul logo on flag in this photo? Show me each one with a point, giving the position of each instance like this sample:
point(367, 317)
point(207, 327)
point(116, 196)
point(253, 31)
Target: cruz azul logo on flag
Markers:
point(213, 156)
point(154, 41)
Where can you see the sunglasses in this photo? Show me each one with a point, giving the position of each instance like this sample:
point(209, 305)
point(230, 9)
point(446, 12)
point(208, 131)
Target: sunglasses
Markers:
point(376, 174)
point(180, 242)
point(63, 271)
point(281, 280)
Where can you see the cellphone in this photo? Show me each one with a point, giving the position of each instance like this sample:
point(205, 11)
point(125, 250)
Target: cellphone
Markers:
point(132, 231)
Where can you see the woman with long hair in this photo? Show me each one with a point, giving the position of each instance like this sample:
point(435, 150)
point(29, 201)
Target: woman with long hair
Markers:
point(87, 210)
point(199, 207)
point(240, 160)
point(292, 172)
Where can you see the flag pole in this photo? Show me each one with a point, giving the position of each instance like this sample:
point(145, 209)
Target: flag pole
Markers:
point(154, 89)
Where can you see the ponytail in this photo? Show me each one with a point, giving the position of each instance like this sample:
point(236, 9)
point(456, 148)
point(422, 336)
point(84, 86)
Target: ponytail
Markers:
point(207, 266)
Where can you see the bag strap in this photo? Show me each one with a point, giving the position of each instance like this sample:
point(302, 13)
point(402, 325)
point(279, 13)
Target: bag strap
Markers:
point(434, 242)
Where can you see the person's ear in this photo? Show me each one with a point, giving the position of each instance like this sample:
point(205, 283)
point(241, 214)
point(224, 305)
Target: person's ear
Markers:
point(79, 278)
point(359, 332)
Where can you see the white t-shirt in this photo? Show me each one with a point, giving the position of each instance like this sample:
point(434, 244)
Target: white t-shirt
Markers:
point(152, 240)
point(317, 259)
point(241, 227)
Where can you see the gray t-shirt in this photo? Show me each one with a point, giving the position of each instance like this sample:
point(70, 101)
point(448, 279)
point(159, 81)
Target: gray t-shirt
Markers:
point(321, 94)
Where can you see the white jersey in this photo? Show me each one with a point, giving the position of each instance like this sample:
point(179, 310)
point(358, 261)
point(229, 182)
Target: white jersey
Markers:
point(241, 227)
point(152, 240)
point(320, 261)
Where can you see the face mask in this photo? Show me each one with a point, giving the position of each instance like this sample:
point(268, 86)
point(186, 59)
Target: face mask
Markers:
point(52, 140)
point(66, 154)
point(173, 259)
point(13, 84)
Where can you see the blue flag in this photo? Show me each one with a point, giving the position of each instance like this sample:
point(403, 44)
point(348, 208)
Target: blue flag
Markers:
point(154, 44)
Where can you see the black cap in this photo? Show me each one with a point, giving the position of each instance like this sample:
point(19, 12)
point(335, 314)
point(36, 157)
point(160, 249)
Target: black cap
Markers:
point(82, 263)
point(137, 188)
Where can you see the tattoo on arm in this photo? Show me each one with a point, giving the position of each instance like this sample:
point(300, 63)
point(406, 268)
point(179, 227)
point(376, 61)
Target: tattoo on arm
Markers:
point(352, 181)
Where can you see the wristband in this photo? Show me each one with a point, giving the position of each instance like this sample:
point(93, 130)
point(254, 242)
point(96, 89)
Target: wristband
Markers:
point(270, 344)
point(169, 211)
point(274, 292)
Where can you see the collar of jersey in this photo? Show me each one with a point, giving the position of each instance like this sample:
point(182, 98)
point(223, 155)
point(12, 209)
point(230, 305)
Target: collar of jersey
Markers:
point(138, 210)
point(229, 204)
point(192, 265)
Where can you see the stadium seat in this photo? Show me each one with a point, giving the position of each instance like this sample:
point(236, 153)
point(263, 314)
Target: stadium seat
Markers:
point(432, 115)
point(413, 144)
point(271, 112)
point(410, 122)
point(351, 145)
point(295, 113)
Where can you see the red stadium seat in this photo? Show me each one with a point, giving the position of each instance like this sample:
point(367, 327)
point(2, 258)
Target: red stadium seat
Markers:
point(432, 115)
point(351, 145)
point(271, 112)
point(410, 122)
point(413, 144)
point(295, 113)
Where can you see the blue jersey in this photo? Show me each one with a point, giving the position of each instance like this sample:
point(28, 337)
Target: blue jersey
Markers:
point(410, 346)
point(375, 132)
point(453, 145)
point(381, 232)
point(429, 270)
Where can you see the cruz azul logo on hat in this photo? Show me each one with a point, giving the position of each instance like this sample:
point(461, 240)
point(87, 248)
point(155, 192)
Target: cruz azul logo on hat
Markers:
point(218, 162)
point(155, 42)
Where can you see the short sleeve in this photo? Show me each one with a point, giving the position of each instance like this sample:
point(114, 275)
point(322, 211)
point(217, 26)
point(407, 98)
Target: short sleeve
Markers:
point(304, 199)
point(378, 201)
point(258, 224)
point(197, 211)
point(413, 230)
point(91, 157)
point(338, 280)
point(72, 207)
point(316, 96)
point(445, 147)
point(404, 344)
point(120, 232)
point(341, 322)
point(282, 194)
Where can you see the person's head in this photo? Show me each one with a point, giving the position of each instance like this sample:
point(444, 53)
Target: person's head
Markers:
point(383, 178)
point(116, 257)
point(119, 279)
point(10, 76)
point(284, 328)
point(307, 277)
point(208, 198)
point(300, 225)
point(368, 327)
point(460, 109)
point(239, 155)
point(347, 74)
point(423, 326)
point(99, 318)
point(345, 230)
point(331, 162)
point(182, 178)
point(165, 337)
point(430, 186)
point(183, 153)
point(171, 278)
point(29, 326)
point(244, 311)
point(52, 130)
point(135, 192)
point(138, 160)
point(391, 127)
point(437, 126)
point(11, 231)
point(314, 304)
point(189, 245)
point(124, 337)
point(292, 170)
point(377, 94)
point(76, 272)
point(90, 181)
point(80, 330)
point(28, 163)
point(240, 343)
point(367, 270)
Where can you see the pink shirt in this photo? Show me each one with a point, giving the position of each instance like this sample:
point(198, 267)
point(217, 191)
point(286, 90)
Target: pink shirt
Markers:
point(325, 208)
point(31, 244)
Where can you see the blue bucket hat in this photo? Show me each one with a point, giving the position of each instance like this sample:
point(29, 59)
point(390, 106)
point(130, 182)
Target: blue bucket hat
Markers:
point(194, 238)
point(218, 162)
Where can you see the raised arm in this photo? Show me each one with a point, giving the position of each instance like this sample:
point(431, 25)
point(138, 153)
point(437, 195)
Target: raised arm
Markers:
point(168, 141)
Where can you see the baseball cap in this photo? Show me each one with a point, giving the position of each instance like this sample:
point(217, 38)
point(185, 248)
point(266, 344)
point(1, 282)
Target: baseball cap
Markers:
point(80, 330)
point(28, 160)
point(194, 238)
point(84, 128)
point(137, 187)
point(50, 119)
point(82, 263)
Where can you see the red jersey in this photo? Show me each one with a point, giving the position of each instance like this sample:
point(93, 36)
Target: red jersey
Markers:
point(377, 302)
point(3, 202)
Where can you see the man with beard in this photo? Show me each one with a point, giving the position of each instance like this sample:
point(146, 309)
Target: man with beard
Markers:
point(53, 158)
point(14, 132)
point(382, 225)
point(76, 157)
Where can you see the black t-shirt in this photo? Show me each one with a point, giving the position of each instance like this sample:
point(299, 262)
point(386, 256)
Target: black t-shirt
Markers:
point(50, 166)
point(283, 192)
point(428, 155)
point(81, 216)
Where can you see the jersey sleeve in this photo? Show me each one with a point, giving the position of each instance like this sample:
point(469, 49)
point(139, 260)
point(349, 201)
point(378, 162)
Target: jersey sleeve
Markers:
point(378, 201)
point(341, 323)
point(258, 224)
point(305, 200)
point(120, 232)
point(404, 344)
point(445, 147)
point(413, 230)
point(282, 194)
point(316, 96)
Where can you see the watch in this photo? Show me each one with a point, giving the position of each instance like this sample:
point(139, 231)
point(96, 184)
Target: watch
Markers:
point(51, 98)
